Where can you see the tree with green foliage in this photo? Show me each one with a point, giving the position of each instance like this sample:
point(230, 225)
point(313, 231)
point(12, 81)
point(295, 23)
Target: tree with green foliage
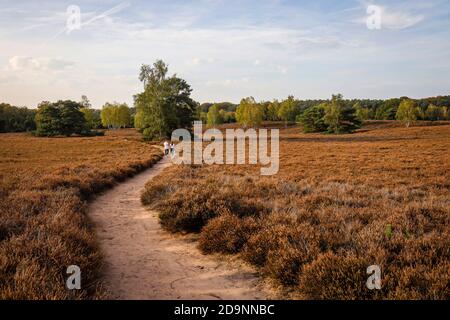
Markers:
point(123, 116)
point(91, 115)
point(434, 113)
point(228, 116)
point(361, 113)
point(446, 113)
point(388, 109)
point(407, 112)
point(60, 118)
point(106, 115)
point(85, 103)
point(115, 115)
point(249, 113)
point(15, 119)
point(272, 111)
point(339, 117)
point(203, 117)
point(214, 116)
point(288, 110)
point(165, 104)
point(312, 119)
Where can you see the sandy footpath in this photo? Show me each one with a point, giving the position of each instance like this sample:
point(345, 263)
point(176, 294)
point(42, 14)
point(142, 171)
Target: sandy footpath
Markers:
point(144, 262)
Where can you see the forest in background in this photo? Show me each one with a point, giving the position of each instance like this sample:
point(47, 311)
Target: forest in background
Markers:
point(21, 119)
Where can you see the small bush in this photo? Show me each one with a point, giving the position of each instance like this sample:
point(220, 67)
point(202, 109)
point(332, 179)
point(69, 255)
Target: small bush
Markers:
point(189, 202)
point(335, 277)
point(312, 119)
point(154, 192)
point(227, 234)
point(282, 247)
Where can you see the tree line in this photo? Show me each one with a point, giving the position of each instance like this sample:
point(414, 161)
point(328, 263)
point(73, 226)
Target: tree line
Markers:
point(16, 119)
point(65, 118)
point(432, 109)
point(335, 115)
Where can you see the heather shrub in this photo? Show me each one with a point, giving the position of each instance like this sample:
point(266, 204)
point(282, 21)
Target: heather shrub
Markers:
point(44, 226)
point(190, 210)
point(154, 192)
point(338, 205)
point(34, 257)
point(337, 277)
point(282, 247)
point(227, 234)
point(297, 246)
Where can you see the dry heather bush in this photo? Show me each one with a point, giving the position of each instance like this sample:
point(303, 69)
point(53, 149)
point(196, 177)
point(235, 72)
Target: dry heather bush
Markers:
point(43, 226)
point(227, 234)
point(282, 247)
point(337, 277)
point(191, 204)
point(338, 205)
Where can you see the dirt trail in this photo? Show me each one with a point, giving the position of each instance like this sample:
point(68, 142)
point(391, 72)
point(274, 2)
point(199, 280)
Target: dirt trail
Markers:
point(144, 262)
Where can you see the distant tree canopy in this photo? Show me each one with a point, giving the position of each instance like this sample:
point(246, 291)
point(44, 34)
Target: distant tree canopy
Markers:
point(361, 113)
point(339, 117)
point(288, 110)
point(312, 119)
point(435, 113)
point(115, 115)
point(407, 112)
point(91, 115)
point(334, 117)
point(214, 116)
point(272, 111)
point(227, 111)
point(165, 104)
point(226, 106)
point(15, 119)
point(170, 97)
point(93, 118)
point(60, 118)
point(249, 113)
point(388, 109)
point(291, 109)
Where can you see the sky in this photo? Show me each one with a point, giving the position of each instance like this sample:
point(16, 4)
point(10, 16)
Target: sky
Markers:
point(225, 50)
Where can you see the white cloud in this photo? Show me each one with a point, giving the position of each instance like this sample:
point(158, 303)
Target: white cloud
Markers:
point(195, 61)
point(198, 61)
point(282, 70)
point(399, 20)
point(228, 82)
point(19, 63)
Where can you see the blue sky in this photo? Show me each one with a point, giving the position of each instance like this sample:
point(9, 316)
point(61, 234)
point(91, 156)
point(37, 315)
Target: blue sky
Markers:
point(226, 50)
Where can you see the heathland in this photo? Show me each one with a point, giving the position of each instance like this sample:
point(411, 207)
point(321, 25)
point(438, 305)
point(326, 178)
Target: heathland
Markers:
point(339, 204)
point(45, 183)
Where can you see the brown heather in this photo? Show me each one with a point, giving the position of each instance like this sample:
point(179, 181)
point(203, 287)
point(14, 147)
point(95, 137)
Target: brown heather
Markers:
point(43, 224)
point(339, 204)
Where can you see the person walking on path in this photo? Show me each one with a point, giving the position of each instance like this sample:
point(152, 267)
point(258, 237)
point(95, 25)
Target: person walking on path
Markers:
point(172, 149)
point(166, 148)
